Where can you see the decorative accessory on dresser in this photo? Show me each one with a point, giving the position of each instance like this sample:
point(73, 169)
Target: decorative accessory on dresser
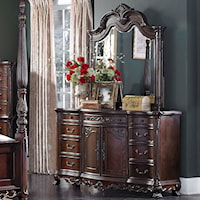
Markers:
point(89, 83)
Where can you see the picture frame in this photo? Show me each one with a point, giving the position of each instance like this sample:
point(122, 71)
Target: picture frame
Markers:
point(108, 93)
point(139, 45)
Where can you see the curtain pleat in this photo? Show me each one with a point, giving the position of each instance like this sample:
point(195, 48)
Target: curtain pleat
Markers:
point(81, 22)
point(42, 117)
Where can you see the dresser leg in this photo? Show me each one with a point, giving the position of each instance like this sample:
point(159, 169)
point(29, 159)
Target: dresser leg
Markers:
point(175, 193)
point(157, 195)
point(57, 179)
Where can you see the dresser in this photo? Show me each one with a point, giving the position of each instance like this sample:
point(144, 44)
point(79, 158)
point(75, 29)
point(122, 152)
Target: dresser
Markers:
point(126, 150)
point(6, 100)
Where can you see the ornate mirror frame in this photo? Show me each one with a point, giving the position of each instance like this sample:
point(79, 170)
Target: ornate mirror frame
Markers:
point(125, 19)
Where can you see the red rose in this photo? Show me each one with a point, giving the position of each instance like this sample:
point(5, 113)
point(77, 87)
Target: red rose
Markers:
point(118, 78)
point(110, 60)
point(83, 71)
point(81, 59)
point(82, 80)
point(92, 78)
point(68, 77)
point(85, 66)
point(117, 72)
point(111, 67)
point(68, 63)
point(71, 72)
point(73, 66)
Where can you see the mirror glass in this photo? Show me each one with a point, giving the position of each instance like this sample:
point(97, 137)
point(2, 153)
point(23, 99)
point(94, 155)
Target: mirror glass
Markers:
point(128, 50)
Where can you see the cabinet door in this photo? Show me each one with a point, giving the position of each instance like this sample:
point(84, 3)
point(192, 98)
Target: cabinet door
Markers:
point(91, 149)
point(114, 151)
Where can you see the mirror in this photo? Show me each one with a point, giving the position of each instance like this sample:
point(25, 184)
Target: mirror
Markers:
point(116, 36)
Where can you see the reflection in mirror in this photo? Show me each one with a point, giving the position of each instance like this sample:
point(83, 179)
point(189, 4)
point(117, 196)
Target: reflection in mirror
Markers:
point(107, 48)
point(131, 54)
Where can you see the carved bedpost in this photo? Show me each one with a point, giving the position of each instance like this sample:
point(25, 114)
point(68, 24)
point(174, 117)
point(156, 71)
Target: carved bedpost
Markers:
point(22, 109)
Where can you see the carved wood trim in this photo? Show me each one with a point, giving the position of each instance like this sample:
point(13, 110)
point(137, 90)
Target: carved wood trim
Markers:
point(123, 18)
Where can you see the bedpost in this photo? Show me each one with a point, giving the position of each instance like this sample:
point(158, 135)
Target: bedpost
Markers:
point(22, 108)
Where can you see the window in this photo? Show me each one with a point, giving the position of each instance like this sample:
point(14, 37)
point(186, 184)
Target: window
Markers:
point(62, 9)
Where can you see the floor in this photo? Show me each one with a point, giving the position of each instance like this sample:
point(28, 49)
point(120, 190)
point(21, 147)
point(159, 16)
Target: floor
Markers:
point(41, 187)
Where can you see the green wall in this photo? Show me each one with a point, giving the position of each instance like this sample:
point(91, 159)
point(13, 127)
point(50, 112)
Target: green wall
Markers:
point(181, 61)
point(9, 11)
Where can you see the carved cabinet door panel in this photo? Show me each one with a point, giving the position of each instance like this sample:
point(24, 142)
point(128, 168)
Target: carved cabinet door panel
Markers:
point(91, 149)
point(114, 151)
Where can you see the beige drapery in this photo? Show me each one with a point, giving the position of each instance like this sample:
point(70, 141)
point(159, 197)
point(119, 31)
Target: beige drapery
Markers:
point(81, 22)
point(42, 117)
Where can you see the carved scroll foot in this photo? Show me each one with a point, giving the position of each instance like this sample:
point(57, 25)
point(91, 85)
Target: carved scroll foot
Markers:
point(176, 193)
point(57, 179)
point(157, 195)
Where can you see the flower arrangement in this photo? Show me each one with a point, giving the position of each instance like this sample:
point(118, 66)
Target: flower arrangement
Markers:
point(79, 72)
point(106, 71)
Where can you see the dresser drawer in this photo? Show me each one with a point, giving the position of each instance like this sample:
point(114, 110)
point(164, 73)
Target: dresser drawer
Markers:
point(4, 68)
point(105, 119)
point(67, 129)
point(141, 152)
point(3, 81)
point(4, 109)
point(69, 116)
point(4, 127)
point(3, 94)
point(141, 171)
point(70, 163)
point(141, 134)
point(70, 145)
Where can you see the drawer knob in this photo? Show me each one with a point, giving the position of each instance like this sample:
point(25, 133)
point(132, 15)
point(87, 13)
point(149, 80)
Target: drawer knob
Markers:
point(0, 94)
point(70, 164)
point(141, 172)
point(0, 80)
point(70, 130)
point(70, 147)
point(141, 135)
point(141, 153)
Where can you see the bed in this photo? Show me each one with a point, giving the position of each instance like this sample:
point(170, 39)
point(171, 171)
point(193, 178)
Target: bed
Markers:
point(13, 150)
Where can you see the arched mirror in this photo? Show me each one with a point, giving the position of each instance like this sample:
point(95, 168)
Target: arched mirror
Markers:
point(137, 48)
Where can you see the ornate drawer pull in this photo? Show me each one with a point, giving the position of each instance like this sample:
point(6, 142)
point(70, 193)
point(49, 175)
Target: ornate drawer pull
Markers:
point(141, 135)
point(141, 153)
point(70, 164)
point(70, 147)
point(141, 172)
point(70, 131)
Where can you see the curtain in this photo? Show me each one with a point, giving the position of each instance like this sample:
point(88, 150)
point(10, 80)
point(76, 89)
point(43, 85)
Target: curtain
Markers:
point(42, 117)
point(81, 22)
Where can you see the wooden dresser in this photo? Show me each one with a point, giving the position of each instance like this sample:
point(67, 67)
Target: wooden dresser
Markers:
point(137, 151)
point(6, 100)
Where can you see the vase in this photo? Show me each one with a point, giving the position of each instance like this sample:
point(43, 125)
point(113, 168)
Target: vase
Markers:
point(81, 93)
